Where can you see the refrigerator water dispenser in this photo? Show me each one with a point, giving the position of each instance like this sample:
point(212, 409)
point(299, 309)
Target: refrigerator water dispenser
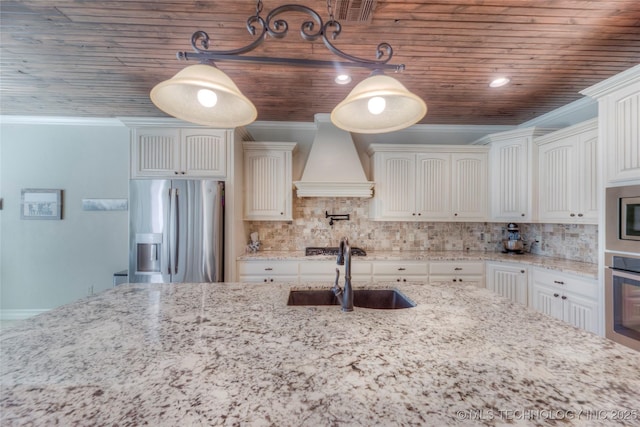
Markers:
point(148, 247)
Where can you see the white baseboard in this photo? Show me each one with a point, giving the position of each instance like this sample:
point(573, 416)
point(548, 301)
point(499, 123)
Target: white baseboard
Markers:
point(8, 314)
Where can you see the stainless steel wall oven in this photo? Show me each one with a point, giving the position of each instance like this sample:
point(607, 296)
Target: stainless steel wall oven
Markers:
point(622, 299)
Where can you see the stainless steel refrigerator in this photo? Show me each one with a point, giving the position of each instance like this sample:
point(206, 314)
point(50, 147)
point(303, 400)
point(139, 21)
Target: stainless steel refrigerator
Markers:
point(176, 231)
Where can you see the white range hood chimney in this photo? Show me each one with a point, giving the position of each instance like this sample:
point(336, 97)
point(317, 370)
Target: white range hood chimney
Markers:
point(333, 167)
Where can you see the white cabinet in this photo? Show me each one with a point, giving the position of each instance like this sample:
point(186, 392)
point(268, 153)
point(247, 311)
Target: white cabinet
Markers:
point(325, 271)
point(267, 180)
point(400, 271)
point(429, 183)
point(619, 125)
point(508, 280)
point(268, 271)
point(567, 175)
point(511, 173)
point(469, 186)
point(469, 272)
point(570, 298)
point(183, 152)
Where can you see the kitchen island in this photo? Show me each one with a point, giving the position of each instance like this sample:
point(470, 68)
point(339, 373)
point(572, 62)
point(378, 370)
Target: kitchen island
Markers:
point(236, 354)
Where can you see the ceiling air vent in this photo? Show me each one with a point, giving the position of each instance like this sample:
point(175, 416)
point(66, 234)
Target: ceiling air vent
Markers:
point(355, 10)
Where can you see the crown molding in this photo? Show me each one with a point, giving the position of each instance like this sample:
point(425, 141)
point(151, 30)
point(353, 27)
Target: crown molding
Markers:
point(60, 121)
point(620, 80)
point(578, 111)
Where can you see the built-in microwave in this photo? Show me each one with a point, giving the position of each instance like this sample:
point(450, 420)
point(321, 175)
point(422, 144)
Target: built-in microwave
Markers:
point(622, 217)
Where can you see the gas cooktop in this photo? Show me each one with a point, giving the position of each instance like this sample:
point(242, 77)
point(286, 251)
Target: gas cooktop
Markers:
point(333, 250)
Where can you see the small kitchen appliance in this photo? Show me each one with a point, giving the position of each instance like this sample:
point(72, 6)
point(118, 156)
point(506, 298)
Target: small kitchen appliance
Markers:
point(513, 243)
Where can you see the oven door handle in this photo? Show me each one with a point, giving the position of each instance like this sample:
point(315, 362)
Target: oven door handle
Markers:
point(624, 273)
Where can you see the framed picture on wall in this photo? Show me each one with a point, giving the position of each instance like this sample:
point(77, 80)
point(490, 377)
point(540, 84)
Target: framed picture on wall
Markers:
point(37, 203)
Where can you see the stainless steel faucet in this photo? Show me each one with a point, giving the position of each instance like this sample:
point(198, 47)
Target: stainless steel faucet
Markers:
point(345, 296)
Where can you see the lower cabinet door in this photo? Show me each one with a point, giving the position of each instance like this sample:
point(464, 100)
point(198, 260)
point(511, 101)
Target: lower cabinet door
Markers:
point(508, 281)
point(580, 312)
point(547, 300)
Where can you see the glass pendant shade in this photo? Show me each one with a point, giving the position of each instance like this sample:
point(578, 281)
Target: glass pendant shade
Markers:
point(398, 109)
point(204, 95)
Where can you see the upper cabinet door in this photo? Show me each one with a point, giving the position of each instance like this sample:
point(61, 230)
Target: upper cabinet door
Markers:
point(267, 181)
point(155, 152)
point(587, 181)
point(469, 185)
point(433, 184)
point(621, 116)
point(567, 175)
point(397, 185)
point(557, 182)
point(619, 125)
point(511, 195)
point(204, 152)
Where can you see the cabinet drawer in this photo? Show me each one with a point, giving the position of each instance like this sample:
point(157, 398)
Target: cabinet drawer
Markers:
point(571, 283)
point(329, 267)
point(456, 268)
point(271, 268)
point(400, 268)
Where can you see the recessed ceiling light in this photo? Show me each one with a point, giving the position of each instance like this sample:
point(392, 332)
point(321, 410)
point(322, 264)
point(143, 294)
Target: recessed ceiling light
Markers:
point(500, 81)
point(343, 79)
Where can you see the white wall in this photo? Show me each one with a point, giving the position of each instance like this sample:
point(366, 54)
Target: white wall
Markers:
point(44, 264)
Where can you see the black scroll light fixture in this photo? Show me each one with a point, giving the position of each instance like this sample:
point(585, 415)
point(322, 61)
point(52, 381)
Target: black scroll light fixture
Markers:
point(205, 95)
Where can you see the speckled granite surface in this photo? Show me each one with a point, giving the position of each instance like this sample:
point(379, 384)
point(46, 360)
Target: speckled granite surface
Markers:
point(235, 354)
point(558, 264)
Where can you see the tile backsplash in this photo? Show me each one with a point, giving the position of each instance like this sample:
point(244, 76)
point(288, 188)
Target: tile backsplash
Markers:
point(310, 227)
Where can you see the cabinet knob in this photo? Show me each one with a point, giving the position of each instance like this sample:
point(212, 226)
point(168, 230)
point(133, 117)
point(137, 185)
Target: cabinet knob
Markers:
point(580, 215)
point(522, 214)
point(265, 280)
point(556, 295)
point(401, 269)
point(271, 280)
point(414, 214)
point(455, 214)
point(398, 279)
point(183, 172)
point(457, 269)
point(572, 215)
point(564, 297)
point(558, 282)
point(268, 269)
point(175, 172)
point(455, 280)
point(281, 213)
point(522, 271)
point(419, 213)
point(404, 280)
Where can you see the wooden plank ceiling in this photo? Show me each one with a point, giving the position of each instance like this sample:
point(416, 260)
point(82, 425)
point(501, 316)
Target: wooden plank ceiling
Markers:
point(101, 58)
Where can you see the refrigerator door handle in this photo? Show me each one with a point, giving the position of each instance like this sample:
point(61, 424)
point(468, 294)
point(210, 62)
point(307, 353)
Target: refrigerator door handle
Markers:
point(176, 230)
point(173, 243)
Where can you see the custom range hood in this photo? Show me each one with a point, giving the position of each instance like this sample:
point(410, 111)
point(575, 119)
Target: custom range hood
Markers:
point(333, 167)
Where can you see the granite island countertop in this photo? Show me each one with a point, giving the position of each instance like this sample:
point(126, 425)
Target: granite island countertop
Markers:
point(236, 354)
point(585, 269)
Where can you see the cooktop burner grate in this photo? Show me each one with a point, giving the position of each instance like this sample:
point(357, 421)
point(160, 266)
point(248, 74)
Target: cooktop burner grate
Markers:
point(332, 251)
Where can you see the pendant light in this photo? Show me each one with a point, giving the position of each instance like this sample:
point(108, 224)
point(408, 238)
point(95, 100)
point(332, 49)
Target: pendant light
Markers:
point(378, 104)
point(204, 95)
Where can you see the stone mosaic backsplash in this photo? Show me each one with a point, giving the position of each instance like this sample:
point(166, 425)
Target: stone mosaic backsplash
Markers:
point(310, 227)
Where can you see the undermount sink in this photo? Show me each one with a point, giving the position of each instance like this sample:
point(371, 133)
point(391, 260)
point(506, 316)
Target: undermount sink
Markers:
point(382, 299)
